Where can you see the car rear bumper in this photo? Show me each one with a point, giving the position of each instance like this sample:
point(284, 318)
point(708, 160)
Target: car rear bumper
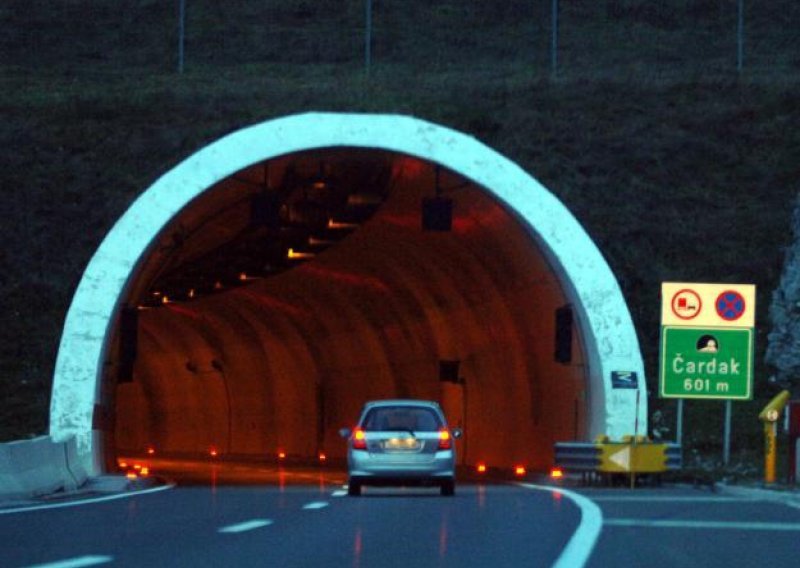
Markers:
point(376, 468)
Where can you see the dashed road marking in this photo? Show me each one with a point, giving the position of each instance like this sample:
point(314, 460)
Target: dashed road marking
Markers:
point(315, 505)
point(245, 526)
point(77, 562)
point(339, 493)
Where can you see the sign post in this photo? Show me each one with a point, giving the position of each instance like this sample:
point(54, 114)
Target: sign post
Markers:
point(707, 338)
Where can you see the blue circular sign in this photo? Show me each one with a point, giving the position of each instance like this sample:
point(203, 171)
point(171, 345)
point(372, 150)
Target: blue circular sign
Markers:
point(730, 305)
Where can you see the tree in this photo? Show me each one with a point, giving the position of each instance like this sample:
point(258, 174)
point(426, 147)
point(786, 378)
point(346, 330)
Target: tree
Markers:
point(783, 341)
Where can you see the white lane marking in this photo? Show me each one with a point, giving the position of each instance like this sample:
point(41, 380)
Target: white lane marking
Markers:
point(582, 542)
point(315, 505)
point(339, 493)
point(715, 525)
point(644, 499)
point(76, 562)
point(245, 526)
point(86, 501)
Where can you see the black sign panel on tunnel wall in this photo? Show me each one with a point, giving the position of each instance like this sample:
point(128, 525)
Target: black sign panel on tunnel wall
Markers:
point(128, 343)
point(563, 353)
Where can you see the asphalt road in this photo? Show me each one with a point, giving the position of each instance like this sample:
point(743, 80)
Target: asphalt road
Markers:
point(483, 525)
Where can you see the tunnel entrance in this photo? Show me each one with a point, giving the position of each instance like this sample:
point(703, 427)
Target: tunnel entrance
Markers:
point(257, 295)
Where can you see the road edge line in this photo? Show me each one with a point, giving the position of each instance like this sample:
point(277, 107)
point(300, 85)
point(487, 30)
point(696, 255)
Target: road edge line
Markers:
point(583, 540)
point(89, 501)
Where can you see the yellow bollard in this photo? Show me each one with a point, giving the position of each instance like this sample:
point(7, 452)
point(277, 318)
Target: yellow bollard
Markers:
point(770, 452)
point(769, 416)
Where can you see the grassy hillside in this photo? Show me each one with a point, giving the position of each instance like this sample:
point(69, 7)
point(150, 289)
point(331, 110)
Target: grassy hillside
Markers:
point(678, 166)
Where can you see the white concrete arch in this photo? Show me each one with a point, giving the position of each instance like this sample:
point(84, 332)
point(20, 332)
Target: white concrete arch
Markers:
point(608, 333)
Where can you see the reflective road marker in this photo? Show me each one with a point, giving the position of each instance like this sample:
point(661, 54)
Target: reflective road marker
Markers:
point(315, 505)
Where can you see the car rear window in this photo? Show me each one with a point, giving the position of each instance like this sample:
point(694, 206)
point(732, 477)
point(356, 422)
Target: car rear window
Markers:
point(391, 418)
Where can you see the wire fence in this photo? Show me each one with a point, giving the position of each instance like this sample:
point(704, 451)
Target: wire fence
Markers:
point(573, 38)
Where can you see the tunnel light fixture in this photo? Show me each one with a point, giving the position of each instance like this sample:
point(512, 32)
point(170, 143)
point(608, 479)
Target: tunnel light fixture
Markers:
point(165, 299)
point(243, 277)
point(131, 475)
point(332, 224)
point(281, 455)
point(556, 473)
point(150, 450)
point(520, 471)
point(122, 464)
point(322, 457)
point(298, 255)
point(212, 451)
point(191, 293)
point(315, 242)
point(218, 285)
point(481, 467)
point(144, 472)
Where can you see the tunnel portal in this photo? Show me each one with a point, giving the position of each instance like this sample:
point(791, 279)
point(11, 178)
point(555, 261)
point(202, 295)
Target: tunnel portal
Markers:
point(288, 283)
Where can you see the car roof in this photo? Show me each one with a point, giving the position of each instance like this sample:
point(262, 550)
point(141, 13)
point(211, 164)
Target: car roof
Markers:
point(402, 402)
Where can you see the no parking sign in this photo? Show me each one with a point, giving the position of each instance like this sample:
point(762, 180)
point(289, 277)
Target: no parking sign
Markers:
point(707, 335)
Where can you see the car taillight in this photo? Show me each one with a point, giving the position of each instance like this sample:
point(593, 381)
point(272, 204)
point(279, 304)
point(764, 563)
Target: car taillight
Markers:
point(359, 439)
point(445, 440)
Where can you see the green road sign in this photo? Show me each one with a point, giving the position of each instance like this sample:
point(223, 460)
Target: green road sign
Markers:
point(710, 363)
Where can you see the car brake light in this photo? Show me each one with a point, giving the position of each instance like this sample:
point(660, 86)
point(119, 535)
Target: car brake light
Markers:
point(445, 440)
point(359, 439)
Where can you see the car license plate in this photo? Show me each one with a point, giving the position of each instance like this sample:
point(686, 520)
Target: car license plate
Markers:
point(401, 444)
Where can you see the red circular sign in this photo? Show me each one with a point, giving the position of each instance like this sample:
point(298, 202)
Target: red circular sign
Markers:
point(686, 304)
point(730, 305)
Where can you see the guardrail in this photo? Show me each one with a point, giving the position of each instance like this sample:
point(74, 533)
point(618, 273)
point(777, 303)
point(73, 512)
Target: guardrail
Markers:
point(39, 466)
point(606, 457)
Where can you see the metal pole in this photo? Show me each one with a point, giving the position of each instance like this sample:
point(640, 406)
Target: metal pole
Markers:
point(726, 444)
point(679, 428)
point(181, 32)
point(740, 38)
point(554, 39)
point(368, 37)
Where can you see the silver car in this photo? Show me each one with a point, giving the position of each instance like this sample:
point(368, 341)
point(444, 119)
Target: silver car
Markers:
point(401, 442)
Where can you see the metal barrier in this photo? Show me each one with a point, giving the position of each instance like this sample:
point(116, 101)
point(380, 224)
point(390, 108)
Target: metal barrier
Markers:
point(618, 457)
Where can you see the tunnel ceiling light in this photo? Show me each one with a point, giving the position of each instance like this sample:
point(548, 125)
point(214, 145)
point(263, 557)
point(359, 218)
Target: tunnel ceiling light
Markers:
point(339, 225)
point(297, 255)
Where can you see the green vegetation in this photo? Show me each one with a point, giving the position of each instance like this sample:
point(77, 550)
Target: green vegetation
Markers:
point(679, 167)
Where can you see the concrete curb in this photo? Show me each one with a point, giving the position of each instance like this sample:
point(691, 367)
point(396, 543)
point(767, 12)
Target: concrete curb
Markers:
point(789, 497)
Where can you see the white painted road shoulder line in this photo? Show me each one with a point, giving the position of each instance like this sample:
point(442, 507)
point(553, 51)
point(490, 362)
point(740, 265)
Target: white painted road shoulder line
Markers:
point(89, 501)
point(583, 540)
point(715, 525)
point(315, 505)
point(660, 499)
point(77, 562)
point(245, 526)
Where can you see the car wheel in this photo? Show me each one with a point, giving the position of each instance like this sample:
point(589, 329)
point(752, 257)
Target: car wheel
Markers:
point(354, 489)
point(448, 488)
